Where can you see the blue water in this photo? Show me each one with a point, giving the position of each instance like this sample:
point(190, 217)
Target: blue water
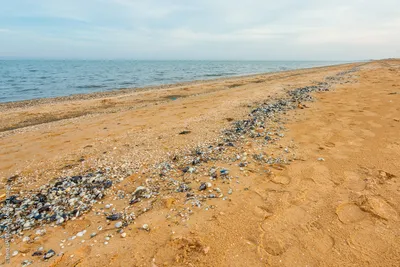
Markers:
point(30, 79)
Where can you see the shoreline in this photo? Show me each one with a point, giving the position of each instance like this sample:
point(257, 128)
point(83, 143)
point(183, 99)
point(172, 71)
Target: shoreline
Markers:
point(126, 91)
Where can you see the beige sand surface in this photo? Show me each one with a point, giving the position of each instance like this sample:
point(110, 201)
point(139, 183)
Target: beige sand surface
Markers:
point(337, 204)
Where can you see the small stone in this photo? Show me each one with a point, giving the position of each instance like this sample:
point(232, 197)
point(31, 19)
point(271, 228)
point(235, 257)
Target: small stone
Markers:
point(203, 186)
point(113, 217)
point(107, 238)
point(15, 253)
point(321, 159)
point(230, 191)
point(37, 253)
point(107, 206)
point(224, 172)
point(26, 239)
point(26, 263)
point(146, 227)
point(80, 234)
point(49, 254)
point(118, 225)
point(93, 234)
point(123, 235)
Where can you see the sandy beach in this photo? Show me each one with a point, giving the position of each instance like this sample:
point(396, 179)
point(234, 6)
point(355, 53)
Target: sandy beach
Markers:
point(294, 168)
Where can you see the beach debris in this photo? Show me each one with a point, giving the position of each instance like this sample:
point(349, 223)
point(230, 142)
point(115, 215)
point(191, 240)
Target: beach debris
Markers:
point(146, 227)
point(203, 186)
point(118, 225)
point(26, 263)
point(114, 217)
point(62, 200)
point(185, 132)
point(49, 254)
point(80, 234)
point(224, 172)
point(140, 192)
point(37, 253)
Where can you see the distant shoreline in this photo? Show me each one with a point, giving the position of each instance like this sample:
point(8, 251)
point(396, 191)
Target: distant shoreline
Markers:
point(125, 91)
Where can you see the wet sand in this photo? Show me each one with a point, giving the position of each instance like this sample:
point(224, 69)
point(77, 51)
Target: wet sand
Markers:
point(332, 200)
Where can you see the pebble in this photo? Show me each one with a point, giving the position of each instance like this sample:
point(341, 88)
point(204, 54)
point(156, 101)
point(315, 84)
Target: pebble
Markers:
point(114, 217)
point(37, 253)
point(203, 187)
point(49, 254)
point(93, 235)
point(321, 159)
point(118, 225)
point(15, 253)
point(26, 263)
point(123, 235)
point(26, 239)
point(146, 227)
point(80, 234)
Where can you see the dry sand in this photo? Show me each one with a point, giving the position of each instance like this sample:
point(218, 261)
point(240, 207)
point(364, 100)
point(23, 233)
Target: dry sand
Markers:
point(336, 204)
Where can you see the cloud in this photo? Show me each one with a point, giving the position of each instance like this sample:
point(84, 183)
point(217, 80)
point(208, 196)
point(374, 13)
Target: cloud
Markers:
point(208, 29)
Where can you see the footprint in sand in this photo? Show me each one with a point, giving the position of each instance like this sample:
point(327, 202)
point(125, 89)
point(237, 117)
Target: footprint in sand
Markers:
point(354, 182)
point(367, 242)
point(349, 213)
point(379, 207)
point(279, 179)
point(276, 242)
point(318, 243)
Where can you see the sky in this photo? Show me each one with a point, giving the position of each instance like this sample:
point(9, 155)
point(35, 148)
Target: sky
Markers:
point(202, 29)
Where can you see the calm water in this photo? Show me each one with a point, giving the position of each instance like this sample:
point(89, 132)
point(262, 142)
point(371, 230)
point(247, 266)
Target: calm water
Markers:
point(29, 79)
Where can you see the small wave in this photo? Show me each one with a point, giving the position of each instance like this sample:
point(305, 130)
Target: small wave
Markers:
point(27, 90)
point(127, 83)
point(90, 86)
point(219, 74)
point(33, 70)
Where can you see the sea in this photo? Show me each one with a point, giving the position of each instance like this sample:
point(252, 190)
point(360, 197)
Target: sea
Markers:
point(31, 79)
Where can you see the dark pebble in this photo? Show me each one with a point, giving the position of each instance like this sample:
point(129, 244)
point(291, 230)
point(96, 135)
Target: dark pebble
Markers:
point(114, 217)
point(203, 187)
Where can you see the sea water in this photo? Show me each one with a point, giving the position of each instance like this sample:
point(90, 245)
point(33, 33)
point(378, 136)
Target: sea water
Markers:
point(30, 79)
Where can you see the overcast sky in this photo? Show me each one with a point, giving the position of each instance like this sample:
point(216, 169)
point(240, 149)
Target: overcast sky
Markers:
point(202, 29)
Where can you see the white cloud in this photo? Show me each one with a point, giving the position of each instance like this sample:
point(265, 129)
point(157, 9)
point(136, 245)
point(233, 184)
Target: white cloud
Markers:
point(209, 29)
